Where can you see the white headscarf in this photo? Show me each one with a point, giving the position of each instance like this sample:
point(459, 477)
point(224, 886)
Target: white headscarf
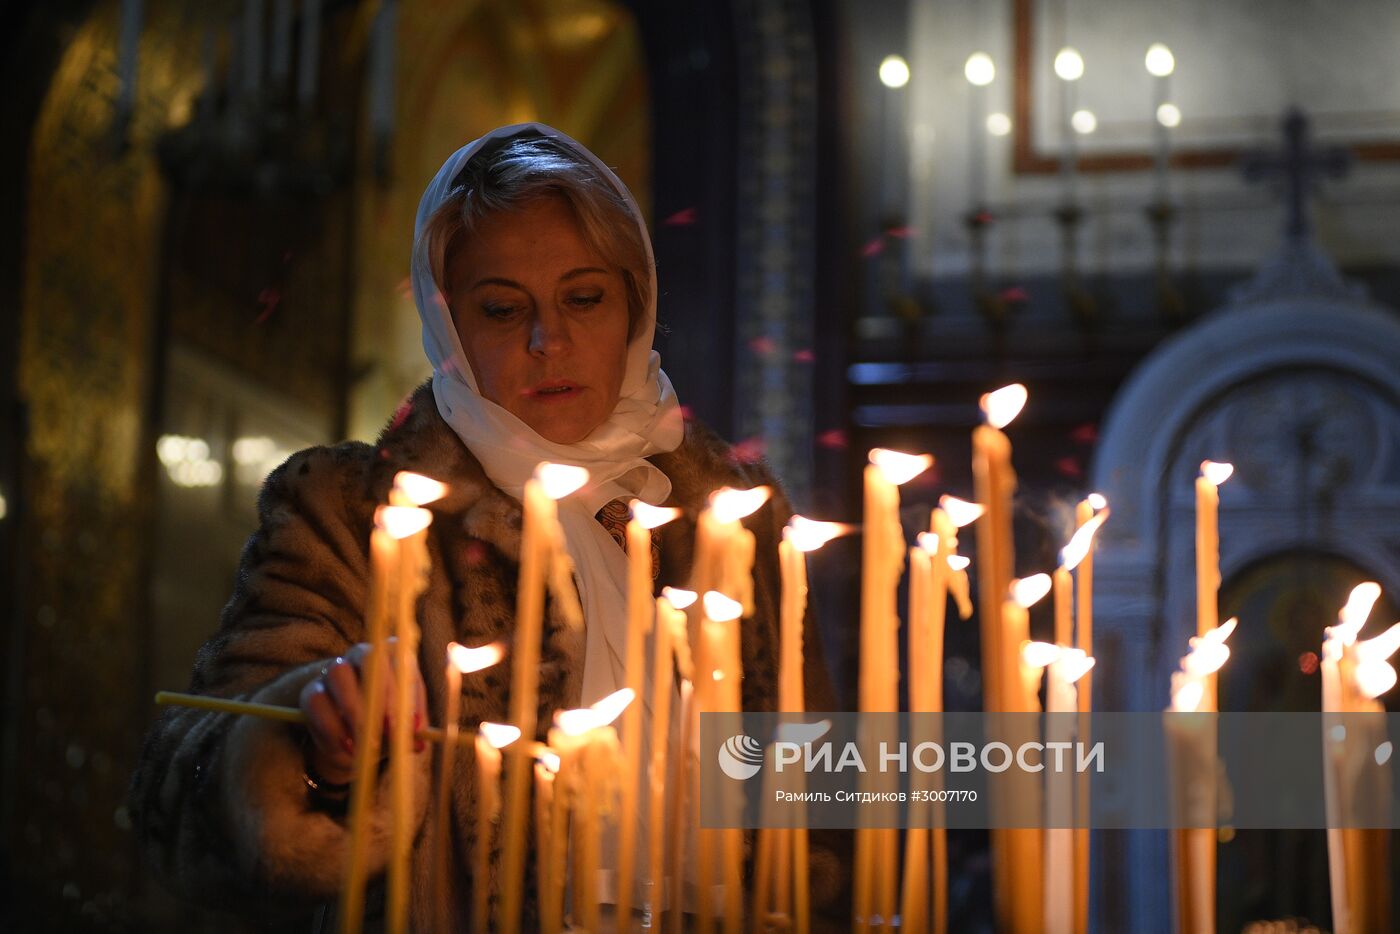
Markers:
point(647, 420)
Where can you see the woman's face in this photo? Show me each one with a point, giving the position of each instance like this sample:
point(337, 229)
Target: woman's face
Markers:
point(542, 319)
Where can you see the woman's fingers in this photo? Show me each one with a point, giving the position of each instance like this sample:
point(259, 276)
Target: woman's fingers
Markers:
point(331, 740)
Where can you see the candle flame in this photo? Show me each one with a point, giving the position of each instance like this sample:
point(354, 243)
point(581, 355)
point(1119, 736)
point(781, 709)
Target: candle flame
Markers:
point(730, 505)
point(499, 735)
point(1209, 652)
point(402, 521)
point(1078, 548)
point(1187, 692)
point(721, 609)
point(1027, 591)
point(550, 760)
point(1005, 404)
point(582, 719)
point(612, 706)
point(1382, 646)
point(1096, 501)
point(559, 480)
point(1374, 677)
point(1074, 664)
point(469, 660)
point(898, 467)
point(959, 562)
point(1039, 654)
point(1216, 472)
point(960, 511)
point(1353, 616)
point(418, 489)
point(652, 517)
point(809, 534)
point(680, 599)
point(928, 541)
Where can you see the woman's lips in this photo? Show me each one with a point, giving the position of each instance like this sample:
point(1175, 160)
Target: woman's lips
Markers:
point(554, 391)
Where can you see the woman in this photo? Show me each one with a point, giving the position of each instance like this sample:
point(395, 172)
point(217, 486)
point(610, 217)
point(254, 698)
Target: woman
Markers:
point(534, 279)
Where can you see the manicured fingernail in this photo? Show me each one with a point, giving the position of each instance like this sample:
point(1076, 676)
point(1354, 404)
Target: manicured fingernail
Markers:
point(348, 744)
point(417, 720)
point(419, 745)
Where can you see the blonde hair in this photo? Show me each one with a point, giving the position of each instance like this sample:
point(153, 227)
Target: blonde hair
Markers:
point(505, 177)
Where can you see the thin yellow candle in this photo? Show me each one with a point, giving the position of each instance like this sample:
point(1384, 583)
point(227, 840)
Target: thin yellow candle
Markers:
point(640, 611)
point(1086, 512)
point(994, 485)
point(491, 738)
point(675, 822)
point(1354, 673)
point(384, 561)
point(590, 754)
point(1193, 746)
point(412, 522)
point(1024, 842)
point(546, 768)
point(777, 891)
point(540, 539)
point(460, 660)
point(720, 634)
point(882, 561)
point(564, 751)
point(1065, 667)
point(669, 625)
point(1208, 544)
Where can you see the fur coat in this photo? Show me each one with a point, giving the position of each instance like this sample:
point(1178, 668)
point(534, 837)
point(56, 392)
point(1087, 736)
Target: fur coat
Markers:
point(219, 801)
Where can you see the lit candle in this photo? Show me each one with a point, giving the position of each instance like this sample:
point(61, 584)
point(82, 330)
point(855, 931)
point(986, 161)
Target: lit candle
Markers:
point(1192, 741)
point(1084, 641)
point(491, 738)
point(546, 768)
point(1064, 666)
point(460, 660)
point(778, 889)
point(719, 635)
point(1354, 674)
point(640, 611)
point(667, 643)
point(1024, 844)
point(590, 757)
point(882, 561)
point(995, 485)
point(409, 524)
point(1208, 544)
point(541, 551)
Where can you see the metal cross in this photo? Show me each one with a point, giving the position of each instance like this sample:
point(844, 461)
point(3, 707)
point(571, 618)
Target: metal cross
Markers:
point(1299, 167)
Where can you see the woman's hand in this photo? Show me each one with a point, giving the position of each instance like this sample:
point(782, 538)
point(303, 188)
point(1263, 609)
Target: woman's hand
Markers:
point(335, 702)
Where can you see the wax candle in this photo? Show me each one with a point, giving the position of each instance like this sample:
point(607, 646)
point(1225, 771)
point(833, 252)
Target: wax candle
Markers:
point(1208, 544)
point(541, 547)
point(720, 637)
point(669, 626)
point(882, 561)
point(1354, 673)
point(1192, 743)
point(640, 610)
point(590, 760)
point(413, 571)
point(491, 738)
point(1085, 513)
point(546, 768)
point(777, 892)
point(460, 660)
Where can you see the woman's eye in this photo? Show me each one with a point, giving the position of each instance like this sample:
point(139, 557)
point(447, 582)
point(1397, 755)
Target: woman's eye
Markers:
point(586, 301)
point(498, 311)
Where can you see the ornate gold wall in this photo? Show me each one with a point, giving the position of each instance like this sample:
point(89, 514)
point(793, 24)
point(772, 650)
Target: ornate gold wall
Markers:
point(92, 252)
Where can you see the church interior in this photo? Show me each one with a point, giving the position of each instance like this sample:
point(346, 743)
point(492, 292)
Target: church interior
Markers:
point(1173, 222)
